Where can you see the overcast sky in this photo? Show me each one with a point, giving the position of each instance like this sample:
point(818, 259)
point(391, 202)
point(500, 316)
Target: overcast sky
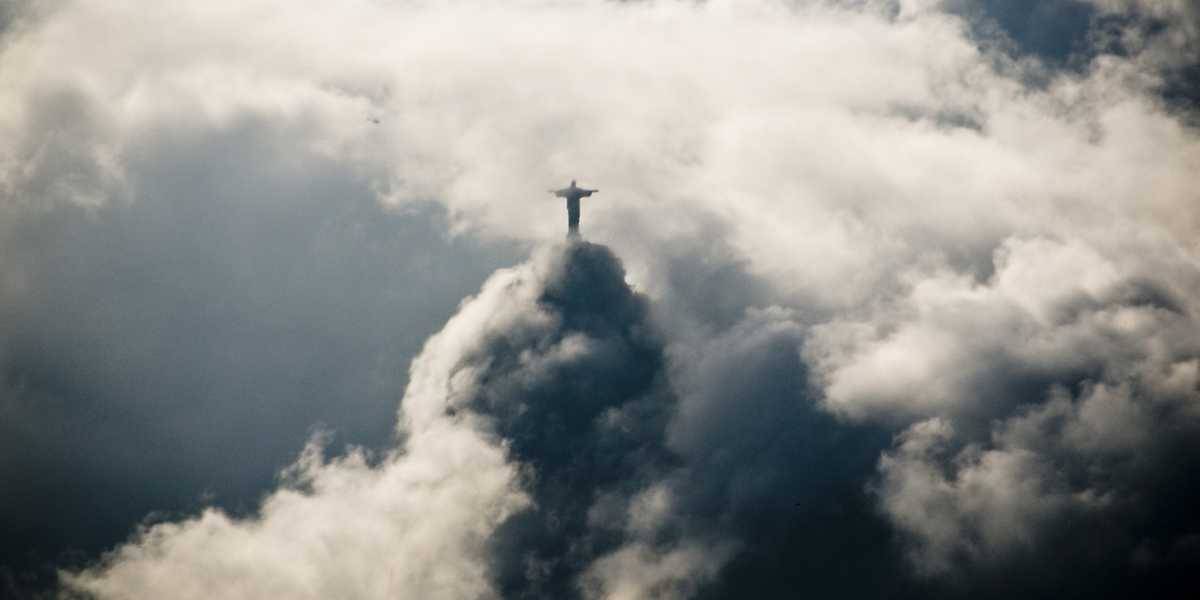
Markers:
point(880, 299)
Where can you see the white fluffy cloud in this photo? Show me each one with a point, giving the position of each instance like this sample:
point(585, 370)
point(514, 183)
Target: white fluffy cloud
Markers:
point(414, 525)
point(1051, 310)
point(841, 147)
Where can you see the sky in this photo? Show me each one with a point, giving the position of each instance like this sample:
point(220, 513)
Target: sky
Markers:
point(878, 299)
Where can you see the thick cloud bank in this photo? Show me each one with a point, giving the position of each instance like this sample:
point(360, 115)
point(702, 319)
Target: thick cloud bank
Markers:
point(917, 314)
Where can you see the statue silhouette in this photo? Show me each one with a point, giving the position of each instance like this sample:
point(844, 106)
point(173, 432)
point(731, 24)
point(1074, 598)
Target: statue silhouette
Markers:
point(573, 193)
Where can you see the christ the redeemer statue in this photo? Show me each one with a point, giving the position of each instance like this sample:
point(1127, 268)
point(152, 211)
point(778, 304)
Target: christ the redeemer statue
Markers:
point(573, 194)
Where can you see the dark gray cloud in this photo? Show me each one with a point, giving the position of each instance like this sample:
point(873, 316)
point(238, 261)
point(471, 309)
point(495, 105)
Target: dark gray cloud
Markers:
point(584, 405)
point(768, 467)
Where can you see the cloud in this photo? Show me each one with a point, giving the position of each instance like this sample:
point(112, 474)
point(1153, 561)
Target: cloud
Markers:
point(881, 250)
point(654, 99)
point(1045, 401)
point(1175, 43)
point(639, 572)
point(536, 410)
point(995, 502)
point(1051, 312)
point(410, 526)
point(1089, 462)
point(569, 372)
